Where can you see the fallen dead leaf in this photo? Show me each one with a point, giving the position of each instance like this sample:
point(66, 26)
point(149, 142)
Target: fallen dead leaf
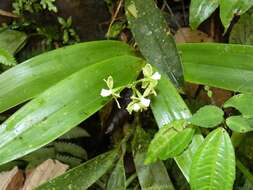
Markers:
point(11, 180)
point(43, 173)
point(187, 35)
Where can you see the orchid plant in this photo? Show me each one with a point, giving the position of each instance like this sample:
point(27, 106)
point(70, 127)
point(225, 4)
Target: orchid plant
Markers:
point(139, 101)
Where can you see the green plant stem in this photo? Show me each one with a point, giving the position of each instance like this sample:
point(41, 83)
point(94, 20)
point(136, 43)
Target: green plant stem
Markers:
point(100, 184)
point(130, 179)
point(244, 170)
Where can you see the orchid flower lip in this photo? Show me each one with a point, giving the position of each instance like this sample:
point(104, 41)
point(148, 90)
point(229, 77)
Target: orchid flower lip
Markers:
point(145, 101)
point(156, 76)
point(105, 92)
point(136, 107)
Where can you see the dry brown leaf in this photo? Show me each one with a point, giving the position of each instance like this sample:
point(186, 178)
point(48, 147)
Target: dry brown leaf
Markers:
point(11, 180)
point(43, 173)
point(187, 35)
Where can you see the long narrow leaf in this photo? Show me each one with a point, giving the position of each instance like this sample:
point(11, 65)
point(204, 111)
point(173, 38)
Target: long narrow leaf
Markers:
point(167, 107)
point(63, 106)
point(154, 39)
point(117, 178)
point(151, 176)
point(184, 161)
point(39, 73)
point(220, 65)
point(83, 176)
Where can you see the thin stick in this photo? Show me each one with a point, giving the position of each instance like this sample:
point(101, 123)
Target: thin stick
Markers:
point(7, 14)
point(114, 16)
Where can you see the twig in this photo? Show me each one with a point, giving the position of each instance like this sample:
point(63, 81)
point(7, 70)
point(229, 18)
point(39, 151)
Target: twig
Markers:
point(7, 14)
point(114, 16)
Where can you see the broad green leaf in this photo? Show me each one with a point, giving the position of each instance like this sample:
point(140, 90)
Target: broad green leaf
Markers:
point(218, 65)
point(11, 40)
point(229, 8)
point(83, 176)
point(184, 161)
point(6, 58)
point(151, 33)
point(151, 176)
point(168, 106)
point(213, 165)
point(239, 124)
point(243, 103)
point(63, 106)
point(242, 31)
point(35, 75)
point(170, 141)
point(200, 10)
point(208, 117)
point(117, 178)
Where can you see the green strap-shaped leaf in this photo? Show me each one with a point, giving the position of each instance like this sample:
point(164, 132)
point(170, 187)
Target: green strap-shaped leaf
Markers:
point(239, 124)
point(151, 33)
point(218, 65)
point(151, 176)
point(168, 106)
point(208, 117)
point(184, 161)
point(35, 75)
point(11, 40)
point(63, 106)
point(6, 58)
point(169, 141)
point(200, 10)
point(83, 176)
point(213, 165)
point(117, 178)
point(243, 103)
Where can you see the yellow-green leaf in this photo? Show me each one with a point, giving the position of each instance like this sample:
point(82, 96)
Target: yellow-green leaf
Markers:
point(213, 165)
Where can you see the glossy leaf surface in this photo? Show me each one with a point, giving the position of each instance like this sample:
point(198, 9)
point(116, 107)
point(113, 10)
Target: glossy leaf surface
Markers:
point(170, 141)
point(151, 33)
point(117, 178)
point(218, 65)
point(213, 165)
point(229, 8)
point(200, 10)
point(239, 124)
point(83, 176)
point(11, 40)
point(63, 106)
point(39, 73)
point(243, 103)
point(184, 160)
point(208, 117)
point(168, 106)
point(151, 176)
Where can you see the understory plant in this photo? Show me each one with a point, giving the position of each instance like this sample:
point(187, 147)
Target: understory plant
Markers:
point(62, 88)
